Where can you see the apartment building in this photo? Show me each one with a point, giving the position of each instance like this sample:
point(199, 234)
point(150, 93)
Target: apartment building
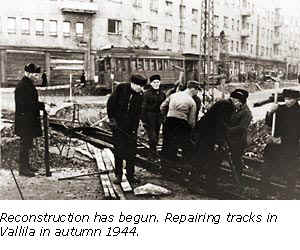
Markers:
point(54, 34)
point(65, 36)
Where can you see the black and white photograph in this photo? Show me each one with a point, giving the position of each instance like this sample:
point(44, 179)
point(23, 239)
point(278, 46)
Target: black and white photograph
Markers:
point(150, 100)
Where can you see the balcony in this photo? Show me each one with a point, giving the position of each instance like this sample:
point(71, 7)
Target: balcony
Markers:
point(277, 40)
point(78, 7)
point(245, 33)
point(245, 11)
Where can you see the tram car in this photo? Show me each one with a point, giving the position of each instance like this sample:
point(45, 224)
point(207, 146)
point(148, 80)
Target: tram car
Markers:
point(117, 64)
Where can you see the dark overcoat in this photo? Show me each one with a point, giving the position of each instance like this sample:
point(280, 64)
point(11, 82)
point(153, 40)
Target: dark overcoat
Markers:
point(124, 106)
point(287, 127)
point(151, 106)
point(27, 114)
point(238, 127)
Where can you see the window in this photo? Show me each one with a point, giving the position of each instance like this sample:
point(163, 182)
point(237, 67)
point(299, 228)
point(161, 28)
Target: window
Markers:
point(79, 29)
point(232, 25)
point(195, 15)
point(251, 49)
point(168, 36)
point(182, 11)
point(216, 20)
point(137, 3)
point(53, 28)
point(153, 33)
point(194, 39)
point(154, 5)
point(25, 28)
point(238, 25)
point(39, 27)
point(231, 48)
point(237, 46)
point(181, 39)
point(11, 25)
point(114, 26)
point(137, 30)
point(225, 22)
point(66, 28)
point(169, 8)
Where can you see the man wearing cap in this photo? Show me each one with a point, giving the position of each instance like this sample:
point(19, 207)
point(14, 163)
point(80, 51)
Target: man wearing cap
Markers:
point(237, 132)
point(180, 111)
point(281, 152)
point(151, 115)
point(27, 116)
point(210, 138)
point(124, 111)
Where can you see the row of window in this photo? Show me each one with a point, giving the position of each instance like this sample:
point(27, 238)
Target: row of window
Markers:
point(168, 7)
point(115, 27)
point(27, 25)
point(140, 64)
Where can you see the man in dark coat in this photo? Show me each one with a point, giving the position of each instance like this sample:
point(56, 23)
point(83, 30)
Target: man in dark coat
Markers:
point(83, 79)
point(151, 115)
point(281, 153)
point(210, 135)
point(238, 128)
point(124, 111)
point(44, 79)
point(27, 116)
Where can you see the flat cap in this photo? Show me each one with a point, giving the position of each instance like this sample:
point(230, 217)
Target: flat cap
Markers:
point(138, 79)
point(154, 77)
point(291, 93)
point(240, 94)
point(32, 68)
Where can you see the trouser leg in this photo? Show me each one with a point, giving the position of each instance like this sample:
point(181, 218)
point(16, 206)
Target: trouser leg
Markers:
point(118, 166)
point(152, 140)
point(25, 146)
point(266, 174)
point(170, 143)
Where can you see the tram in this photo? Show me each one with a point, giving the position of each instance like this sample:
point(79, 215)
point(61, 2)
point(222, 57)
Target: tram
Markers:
point(117, 64)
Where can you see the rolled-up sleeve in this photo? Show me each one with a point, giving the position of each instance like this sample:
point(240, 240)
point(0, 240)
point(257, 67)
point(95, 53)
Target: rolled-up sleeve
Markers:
point(192, 114)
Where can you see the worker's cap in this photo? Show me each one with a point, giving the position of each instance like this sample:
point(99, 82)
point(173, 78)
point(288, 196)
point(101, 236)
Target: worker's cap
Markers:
point(291, 93)
point(240, 94)
point(138, 79)
point(154, 77)
point(32, 68)
point(193, 84)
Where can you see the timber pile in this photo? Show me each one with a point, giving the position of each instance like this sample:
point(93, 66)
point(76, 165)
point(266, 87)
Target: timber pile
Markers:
point(105, 162)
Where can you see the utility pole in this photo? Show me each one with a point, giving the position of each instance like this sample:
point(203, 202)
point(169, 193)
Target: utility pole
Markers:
point(206, 41)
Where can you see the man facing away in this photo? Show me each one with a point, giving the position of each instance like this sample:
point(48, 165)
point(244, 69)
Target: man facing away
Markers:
point(124, 111)
point(151, 115)
point(27, 116)
point(180, 111)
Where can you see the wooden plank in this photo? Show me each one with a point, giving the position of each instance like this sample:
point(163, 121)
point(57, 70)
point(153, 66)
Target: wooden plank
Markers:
point(111, 175)
point(104, 180)
point(124, 184)
point(107, 182)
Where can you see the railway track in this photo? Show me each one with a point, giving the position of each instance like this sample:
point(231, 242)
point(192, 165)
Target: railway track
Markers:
point(180, 172)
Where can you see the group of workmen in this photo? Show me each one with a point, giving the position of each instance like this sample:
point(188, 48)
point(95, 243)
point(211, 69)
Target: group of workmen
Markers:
point(202, 141)
point(185, 137)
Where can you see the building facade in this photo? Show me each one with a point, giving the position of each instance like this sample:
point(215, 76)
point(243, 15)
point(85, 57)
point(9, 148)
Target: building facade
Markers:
point(65, 36)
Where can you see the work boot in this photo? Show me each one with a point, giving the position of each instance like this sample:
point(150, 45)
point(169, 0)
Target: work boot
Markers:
point(26, 172)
